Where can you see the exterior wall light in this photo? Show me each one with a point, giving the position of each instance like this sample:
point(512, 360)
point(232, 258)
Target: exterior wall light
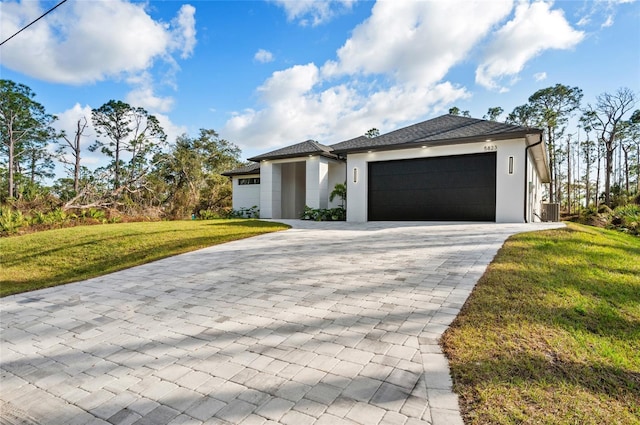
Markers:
point(510, 165)
point(355, 175)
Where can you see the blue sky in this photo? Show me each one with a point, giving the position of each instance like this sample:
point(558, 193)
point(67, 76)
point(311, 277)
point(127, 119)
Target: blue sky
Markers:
point(272, 73)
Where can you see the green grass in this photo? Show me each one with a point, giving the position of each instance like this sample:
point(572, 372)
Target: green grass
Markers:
point(53, 257)
point(551, 333)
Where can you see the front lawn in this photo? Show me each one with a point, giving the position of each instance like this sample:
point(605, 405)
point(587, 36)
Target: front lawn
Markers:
point(54, 257)
point(551, 333)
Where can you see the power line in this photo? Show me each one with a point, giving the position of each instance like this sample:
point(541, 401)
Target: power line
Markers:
point(34, 21)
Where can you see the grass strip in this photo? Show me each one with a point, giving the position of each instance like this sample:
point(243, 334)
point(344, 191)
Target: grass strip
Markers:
point(53, 257)
point(551, 332)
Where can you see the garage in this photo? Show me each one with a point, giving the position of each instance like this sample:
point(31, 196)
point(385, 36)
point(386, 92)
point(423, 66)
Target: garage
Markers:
point(449, 188)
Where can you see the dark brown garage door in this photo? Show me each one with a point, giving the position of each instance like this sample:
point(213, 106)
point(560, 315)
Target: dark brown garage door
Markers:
point(459, 188)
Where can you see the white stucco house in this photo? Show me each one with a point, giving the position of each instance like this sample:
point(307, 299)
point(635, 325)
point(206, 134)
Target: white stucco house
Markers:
point(449, 168)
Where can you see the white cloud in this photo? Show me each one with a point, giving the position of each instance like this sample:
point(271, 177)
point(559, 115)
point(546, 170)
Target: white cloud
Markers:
point(170, 129)
point(143, 95)
point(263, 56)
point(534, 29)
point(301, 110)
point(390, 72)
point(89, 41)
point(184, 32)
point(314, 12)
point(289, 83)
point(417, 40)
point(584, 21)
point(608, 22)
point(540, 76)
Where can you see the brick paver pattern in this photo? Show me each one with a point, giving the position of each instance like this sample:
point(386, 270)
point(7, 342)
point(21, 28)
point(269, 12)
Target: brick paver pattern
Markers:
point(326, 323)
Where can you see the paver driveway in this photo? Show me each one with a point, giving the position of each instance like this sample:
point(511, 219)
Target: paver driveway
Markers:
point(323, 323)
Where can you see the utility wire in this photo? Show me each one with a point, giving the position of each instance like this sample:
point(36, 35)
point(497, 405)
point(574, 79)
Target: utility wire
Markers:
point(34, 21)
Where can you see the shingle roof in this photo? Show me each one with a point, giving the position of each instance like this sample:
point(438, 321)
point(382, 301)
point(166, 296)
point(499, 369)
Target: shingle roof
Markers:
point(440, 130)
point(246, 169)
point(308, 147)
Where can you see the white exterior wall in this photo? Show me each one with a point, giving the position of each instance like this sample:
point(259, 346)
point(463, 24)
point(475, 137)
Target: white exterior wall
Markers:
point(270, 187)
point(317, 182)
point(337, 174)
point(536, 192)
point(509, 188)
point(245, 195)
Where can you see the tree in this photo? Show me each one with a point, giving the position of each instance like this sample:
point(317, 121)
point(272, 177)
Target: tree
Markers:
point(188, 178)
point(588, 151)
point(629, 140)
point(635, 134)
point(38, 162)
point(73, 147)
point(493, 113)
point(25, 130)
point(606, 118)
point(371, 133)
point(551, 109)
point(126, 129)
point(456, 111)
point(523, 115)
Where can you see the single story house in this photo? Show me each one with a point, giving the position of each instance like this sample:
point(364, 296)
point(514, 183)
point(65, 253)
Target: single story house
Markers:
point(449, 168)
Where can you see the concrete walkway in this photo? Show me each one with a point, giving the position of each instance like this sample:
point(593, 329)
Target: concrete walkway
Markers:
point(326, 323)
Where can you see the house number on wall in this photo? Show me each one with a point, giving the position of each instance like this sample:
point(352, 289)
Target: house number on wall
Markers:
point(489, 148)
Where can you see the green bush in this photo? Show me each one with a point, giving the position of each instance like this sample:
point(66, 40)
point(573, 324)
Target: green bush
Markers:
point(208, 215)
point(624, 218)
point(253, 212)
point(627, 219)
point(324, 214)
point(56, 217)
point(11, 220)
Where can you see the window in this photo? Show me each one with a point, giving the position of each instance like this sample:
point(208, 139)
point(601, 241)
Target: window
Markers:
point(252, 180)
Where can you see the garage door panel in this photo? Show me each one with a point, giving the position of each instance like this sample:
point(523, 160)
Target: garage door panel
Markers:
point(460, 187)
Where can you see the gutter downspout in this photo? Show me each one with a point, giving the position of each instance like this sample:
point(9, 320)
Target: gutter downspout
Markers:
point(526, 174)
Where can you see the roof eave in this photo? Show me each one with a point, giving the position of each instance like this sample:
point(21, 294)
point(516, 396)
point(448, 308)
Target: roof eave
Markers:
point(242, 173)
point(441, 142)
point(540, 156)
point(260, 158)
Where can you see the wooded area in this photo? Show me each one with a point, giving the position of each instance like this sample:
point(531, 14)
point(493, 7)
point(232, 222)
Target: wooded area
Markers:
point(594, 150)
point(594, 156)
point(144, 175)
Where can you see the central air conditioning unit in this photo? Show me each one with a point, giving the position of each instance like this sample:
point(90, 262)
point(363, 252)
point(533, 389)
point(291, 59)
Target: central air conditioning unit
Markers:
point(551, 212)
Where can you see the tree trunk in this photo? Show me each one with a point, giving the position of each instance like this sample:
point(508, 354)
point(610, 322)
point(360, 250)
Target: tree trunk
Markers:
point(76, 154)
point(587, 176)
point(569, 174)
point(607, 175)
point(116, 180)
point(597, 197)
point(76, 174)
point(11, 164)
point(626, 170)
point(638, 168)
point(32, 167)
point(552, 159)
